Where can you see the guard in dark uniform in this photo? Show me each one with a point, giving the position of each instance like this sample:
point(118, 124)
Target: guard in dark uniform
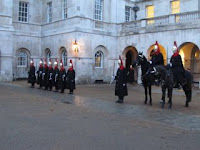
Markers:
point(157, 57)
point(121, 80)
point(56, 75)
point(177, 67)
point(31, 74)
point(45, 75)
point(39, 74)
point(62, 78)
point(71, 78)
point(50, 76)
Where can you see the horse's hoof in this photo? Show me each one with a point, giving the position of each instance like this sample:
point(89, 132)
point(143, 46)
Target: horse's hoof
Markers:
point(169, 107)
point(145, 102)
point(186, 105)
point(150, 103)
point(161, 102)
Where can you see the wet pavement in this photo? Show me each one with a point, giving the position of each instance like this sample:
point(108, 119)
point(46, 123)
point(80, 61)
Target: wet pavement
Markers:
point(33, 118)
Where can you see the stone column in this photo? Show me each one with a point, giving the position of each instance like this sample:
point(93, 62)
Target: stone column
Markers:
point(6, 40)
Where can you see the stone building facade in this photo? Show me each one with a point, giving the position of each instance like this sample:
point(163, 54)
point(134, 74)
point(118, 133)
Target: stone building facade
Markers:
point(93, 33)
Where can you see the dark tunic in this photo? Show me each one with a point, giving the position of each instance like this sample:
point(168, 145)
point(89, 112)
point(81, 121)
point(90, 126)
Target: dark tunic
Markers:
point(50, 77)
point(157, 59)
point(62, 79)
point(39, 75)
point(121, 79)
point(177, 68)
point(55, 77)
point(31, 75)
point(45, 76)
point(71, 79)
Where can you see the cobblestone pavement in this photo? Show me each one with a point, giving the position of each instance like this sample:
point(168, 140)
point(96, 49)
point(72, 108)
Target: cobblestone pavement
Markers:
point(36, 119)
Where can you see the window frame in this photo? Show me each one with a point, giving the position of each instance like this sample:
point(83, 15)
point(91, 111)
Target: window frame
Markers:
point(150, 21)
point(98, 16)
point(101, 60)
point(64, 9)
point(64, 58)
point(49, 12)
point(23, 9)
point(20, 61)
point(129, 17)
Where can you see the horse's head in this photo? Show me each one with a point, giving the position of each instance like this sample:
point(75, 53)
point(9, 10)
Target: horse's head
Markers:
point(141, 59)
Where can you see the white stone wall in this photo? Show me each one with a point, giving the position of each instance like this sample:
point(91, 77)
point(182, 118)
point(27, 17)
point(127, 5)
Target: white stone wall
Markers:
point(111, 36)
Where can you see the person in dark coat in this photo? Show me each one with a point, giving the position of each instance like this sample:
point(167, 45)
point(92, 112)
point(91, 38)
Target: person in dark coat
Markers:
point(31, 74)
point(131, 74)
point(56, 76)
point(71, 78)
point(157, 57)
point(50, 76)
point(121, 80)
point(177, 67)
point(39, 74)
point(62, 78)
point(45, 75)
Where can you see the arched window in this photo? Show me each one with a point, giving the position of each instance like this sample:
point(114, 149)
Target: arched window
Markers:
point(48, 56)
point(64, 57)
point(99, 59)
point(22, 59)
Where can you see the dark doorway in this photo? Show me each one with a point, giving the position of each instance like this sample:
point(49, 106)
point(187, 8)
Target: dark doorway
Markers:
point(129, 59)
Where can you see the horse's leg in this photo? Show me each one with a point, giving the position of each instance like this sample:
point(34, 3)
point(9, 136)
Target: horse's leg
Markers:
point(145, 88)
point(170, 91)
point(162, 101)
point(150, 102)
point(188, 94)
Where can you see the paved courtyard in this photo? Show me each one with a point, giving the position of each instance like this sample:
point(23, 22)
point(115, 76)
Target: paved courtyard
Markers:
point(35, 119)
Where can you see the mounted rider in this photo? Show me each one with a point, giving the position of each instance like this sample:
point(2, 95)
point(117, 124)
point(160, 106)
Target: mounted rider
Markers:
point(177, 67)
point(157, 59)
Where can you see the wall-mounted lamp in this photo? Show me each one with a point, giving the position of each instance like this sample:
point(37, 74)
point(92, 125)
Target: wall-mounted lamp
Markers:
point(136, 9)
point(75, 47)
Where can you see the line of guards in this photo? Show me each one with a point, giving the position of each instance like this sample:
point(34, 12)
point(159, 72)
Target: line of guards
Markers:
point(49, 77)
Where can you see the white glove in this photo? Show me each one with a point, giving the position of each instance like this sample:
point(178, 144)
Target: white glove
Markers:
point(150, 62)
point(124, 84)
point(170, 64)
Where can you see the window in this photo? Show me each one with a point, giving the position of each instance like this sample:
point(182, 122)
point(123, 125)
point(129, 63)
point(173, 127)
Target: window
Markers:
point(23, 12)
point(48, 56)
point(64, 57)
point(64, 9)
point(99, 59)
point(127, 13)
point(22, 59)
point(98, 9)
point(150, 14)
point(49, 12)
point(175, 8)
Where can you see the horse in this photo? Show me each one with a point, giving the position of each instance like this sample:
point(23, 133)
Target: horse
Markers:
point(167, 78)
point(142, 61)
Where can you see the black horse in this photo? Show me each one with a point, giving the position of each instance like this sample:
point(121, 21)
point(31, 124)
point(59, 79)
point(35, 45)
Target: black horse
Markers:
point(142, 61)
point(168, 82)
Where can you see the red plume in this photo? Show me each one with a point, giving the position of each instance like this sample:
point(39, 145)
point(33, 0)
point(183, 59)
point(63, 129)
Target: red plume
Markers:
point(71, 68)
point(62, 68)
point(177, 50)
point(158, 51)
